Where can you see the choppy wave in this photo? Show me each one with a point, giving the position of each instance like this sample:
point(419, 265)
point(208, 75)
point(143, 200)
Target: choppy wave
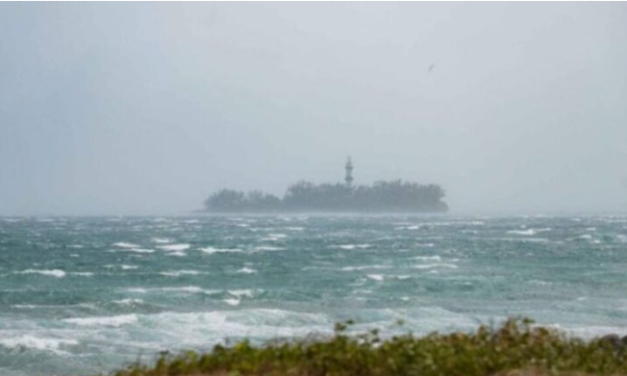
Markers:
point(109, 302)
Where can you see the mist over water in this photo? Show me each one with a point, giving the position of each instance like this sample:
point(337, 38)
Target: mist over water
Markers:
point(148, 108)
point(79, 296)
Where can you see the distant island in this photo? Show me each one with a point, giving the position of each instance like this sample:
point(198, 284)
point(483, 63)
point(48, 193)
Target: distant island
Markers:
point(394, 196)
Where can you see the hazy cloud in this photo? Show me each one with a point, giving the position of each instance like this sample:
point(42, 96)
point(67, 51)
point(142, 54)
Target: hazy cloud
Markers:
point(147, 108)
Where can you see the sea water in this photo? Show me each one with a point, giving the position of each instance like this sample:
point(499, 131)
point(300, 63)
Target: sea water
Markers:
point(86, 295)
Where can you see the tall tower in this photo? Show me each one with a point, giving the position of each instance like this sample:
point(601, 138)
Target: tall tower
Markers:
point(349, 172)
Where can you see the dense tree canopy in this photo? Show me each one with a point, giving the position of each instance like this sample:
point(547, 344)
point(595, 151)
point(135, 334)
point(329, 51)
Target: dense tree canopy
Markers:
point(382, 196)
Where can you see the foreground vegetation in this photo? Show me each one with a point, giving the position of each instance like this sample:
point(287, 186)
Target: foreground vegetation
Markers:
point(517, 348)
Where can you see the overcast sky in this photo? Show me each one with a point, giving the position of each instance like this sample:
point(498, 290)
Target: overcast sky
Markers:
point(111, 108)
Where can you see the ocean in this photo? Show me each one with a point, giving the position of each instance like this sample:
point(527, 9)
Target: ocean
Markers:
point(85, 295)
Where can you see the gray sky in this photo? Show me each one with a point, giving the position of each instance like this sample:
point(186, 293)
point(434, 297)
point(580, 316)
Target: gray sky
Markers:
point(111, 108)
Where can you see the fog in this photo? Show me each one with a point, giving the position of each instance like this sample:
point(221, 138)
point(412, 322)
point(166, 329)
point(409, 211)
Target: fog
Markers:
point(119, 109)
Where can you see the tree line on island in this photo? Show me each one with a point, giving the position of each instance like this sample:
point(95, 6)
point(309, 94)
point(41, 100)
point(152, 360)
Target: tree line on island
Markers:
point(382, 197)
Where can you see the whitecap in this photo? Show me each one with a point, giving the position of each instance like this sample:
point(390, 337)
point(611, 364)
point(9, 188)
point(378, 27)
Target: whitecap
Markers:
point(376, 277)
point(353, 246)
point(527, 232)
point(274, 237)
point(128, 302)
point(129, 267)
point(50, 273)
point(178, 254)
point(139, 250)
point(363, 267)
point(470, 232)
point(268, 248)
point(83, 274)
point(246, 270)
point(194, 327)
point(179, 273)
point(187, 289)
point(114, 321)
point(585, 236)
point(414, 227)
point(36, 343)
point(240, 293)
point(174, 247)
point(212, 250)
point(428, 258)
point(137, 290)
point(437, 265)
point(125, 245)
point(232, 302)
point(539, 282)
point(161, 240)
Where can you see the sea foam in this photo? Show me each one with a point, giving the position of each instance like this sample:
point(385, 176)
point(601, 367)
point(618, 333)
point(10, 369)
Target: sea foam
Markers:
point(114, 321)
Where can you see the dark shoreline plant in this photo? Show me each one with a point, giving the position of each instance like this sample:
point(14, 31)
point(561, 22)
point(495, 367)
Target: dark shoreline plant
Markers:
point(516, 347)
point(382, 196)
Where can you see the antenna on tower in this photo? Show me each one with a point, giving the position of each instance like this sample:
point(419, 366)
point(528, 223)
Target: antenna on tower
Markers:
point(349, 172)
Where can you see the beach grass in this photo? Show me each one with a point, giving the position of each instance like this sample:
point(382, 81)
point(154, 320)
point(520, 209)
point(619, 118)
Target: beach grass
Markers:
point(515, 348)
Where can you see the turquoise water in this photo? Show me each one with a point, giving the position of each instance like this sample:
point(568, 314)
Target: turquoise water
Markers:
point(85, 295)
